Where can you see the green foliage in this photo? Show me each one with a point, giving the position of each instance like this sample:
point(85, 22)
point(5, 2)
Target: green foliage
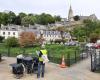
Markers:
point(57, 18)
point(94, 37)
point(7, 18)
point(76, 18)
point(1, 39)
point(17, 20)
point(53, 50)
point(45, 19)
point(59, 50)
point(86, 32)
point(11, 17)
point(26, 19)
point(22, 15)
point(11, 42)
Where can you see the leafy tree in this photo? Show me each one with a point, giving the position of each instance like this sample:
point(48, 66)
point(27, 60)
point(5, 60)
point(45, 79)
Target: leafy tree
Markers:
point(28, 20)
point(90, 26)
point(4, 18)
point(26, 41)
point(90, 31)
point(10, 42)
point(57, 18)
point(45, 19)
point(8, 18)
point(22, 15)
point(17, 20)
point(62, 30)
point(0, 18)
point(11, 17)
point(94, 37)
point(76, 18)
point(79, 33)
point(1, 39)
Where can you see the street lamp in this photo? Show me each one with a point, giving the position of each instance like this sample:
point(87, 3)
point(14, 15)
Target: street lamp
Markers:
point(41, 33)
point(42, 40)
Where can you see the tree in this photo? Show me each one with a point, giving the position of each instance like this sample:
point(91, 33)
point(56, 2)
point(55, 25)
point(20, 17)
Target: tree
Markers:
point(79, 33)
point(17, 20)
point(1, 39)
point(22, 15)
point(28, 20)
point(11, 17)
point(26, 39)
point(44, 19)
point(94, 37)
point(62, 30)
point(11, 42)
point(8, 18)
point(57, 18)
point(0, 18)
point(91, 27)
point(4, 18)
point(76, 18)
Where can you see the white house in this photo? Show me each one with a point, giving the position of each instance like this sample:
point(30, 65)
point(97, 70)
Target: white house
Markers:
point(53, 35)
point(8, 33)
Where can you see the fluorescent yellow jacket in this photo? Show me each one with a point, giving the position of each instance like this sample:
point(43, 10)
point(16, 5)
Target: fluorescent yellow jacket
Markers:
point(44, 52)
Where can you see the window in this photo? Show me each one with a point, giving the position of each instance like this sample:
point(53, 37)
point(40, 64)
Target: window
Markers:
point(8, 33)
point(3, 33)
point(13, 33)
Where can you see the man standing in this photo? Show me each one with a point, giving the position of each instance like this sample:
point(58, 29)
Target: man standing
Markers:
point(42, 60)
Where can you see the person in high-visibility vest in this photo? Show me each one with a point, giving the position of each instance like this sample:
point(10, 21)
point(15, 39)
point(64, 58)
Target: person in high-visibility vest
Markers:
point(42, 60)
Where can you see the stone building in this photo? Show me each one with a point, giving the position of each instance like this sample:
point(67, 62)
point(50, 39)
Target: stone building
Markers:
point(70, 14)
point(15, 31)
point(81, 18)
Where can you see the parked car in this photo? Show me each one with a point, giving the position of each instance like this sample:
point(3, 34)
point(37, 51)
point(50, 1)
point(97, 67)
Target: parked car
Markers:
point(71, 43)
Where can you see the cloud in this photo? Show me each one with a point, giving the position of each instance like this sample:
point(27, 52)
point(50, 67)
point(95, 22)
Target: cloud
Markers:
point(55, 7)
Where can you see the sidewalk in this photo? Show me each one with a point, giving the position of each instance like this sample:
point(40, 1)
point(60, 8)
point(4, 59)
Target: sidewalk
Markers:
point(80, 71)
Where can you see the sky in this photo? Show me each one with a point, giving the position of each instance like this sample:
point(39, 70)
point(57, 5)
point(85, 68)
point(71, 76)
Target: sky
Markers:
point(53, 7)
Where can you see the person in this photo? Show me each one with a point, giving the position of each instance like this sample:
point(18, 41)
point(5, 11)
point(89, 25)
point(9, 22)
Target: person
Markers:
point(42, 60)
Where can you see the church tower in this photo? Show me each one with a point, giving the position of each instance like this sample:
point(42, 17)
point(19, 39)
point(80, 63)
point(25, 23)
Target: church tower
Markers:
point(70, 14)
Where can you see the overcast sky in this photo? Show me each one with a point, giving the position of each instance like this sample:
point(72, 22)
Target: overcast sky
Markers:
point(54, 7)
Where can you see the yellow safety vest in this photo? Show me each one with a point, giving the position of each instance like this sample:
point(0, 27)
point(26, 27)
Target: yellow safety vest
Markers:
point(44, 52)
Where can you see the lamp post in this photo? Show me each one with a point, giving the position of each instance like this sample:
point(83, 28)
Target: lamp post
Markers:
point(41, 33)
point(42, 40)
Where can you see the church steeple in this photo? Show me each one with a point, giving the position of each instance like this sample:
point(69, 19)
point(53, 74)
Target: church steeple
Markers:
point(70, 14)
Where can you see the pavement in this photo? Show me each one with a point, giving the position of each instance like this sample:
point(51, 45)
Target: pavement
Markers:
point(78, 71)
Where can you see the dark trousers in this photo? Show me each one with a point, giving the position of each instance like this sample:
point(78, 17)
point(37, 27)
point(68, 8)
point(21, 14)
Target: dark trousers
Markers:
point(41, 69)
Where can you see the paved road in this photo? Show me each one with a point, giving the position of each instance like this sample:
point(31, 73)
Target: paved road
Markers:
point(79, 71)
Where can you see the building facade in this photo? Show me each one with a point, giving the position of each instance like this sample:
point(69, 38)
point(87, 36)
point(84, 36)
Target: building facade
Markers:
point(48, 35)
point(9, 33)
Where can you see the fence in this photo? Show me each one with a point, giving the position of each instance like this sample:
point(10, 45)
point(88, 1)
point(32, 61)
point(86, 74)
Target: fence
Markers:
point(70, 59)
point(15, 51)
point(95, 60)
point(0, 57)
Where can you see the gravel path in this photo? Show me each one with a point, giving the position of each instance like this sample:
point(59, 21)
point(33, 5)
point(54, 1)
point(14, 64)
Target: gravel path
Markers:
point(79, 71)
